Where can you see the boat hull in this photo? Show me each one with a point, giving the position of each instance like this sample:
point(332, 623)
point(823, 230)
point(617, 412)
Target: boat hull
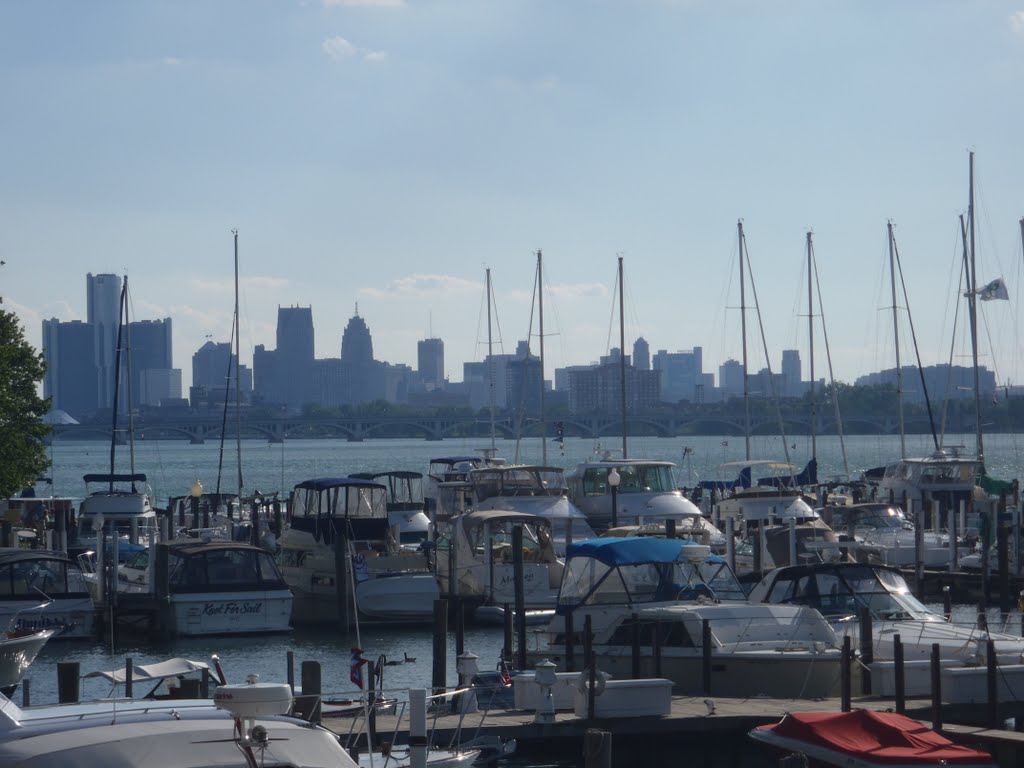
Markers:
point(234, 613)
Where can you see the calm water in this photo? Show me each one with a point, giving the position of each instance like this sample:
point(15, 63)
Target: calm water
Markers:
point(172, 466)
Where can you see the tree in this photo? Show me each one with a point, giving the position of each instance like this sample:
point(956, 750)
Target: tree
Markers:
point(22, 452)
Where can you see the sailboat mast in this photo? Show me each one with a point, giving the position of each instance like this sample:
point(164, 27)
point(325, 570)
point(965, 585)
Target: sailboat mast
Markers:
point(743, 333)
point(121, 319)
point(973, 308)
point(540, 304)
point(238, 377)
point(810, 336)
point(896, 339)
point(622, 358)
point(490, 358)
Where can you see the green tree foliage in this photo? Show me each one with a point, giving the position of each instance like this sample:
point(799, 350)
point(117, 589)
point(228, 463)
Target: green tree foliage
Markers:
point(22, 452)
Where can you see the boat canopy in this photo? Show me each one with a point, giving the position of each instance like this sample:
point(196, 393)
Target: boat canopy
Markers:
point(161, 670)
point(325, 483)
point(107, 478)
point(632, 550)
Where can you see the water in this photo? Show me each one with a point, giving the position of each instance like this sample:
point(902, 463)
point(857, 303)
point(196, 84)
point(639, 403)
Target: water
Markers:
point(173, 465)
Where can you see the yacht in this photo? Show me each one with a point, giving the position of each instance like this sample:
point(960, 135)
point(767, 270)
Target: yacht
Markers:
point(45, 589)
point(645, 493)
point(841, 591)
point(122, 506)
point(879, 532)
point(342, 522)
point(405, 505)
point(660, 591)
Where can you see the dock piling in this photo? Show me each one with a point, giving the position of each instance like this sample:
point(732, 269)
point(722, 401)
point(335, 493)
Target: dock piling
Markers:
point(936, 688)
point(844, 674)
point(67, 682)
point(992, 682)
point(438, 680)
point(597, 749)
point(897, 652)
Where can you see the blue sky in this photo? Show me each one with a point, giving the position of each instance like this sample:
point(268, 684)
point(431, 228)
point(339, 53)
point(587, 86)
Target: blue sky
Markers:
point(385, 152)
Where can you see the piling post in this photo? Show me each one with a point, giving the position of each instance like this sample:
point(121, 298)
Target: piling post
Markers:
point(656, 649)
point(901, 689)
point(757, 548)
point(418, 728)
point(951, 533)
point(730, 543)
point(635, 647)
point(520, 595)
point(570, 655)
point(506, 616)
point(867, 650)
point(792, 541)
point(992, 683)
point(591, 662)
point(371, 706)
point(670, 529)
point(128, 677)
point(5, 533)
point(844, 674)
point(26, 692)
point(310, 676)
point(278, 518)
point(460, 627)
point(936, 688)
point(919, 553)
point(254, 517)
point(67, 682)
point(290, 662)
point(705, 626)
point(947, 603)
point(341, 576)
point(597, 749)
point(61, 520)
point(1003, 558)
point(440, 660)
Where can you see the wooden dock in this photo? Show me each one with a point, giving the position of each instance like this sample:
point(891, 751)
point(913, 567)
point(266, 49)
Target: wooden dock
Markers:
point(710, 740)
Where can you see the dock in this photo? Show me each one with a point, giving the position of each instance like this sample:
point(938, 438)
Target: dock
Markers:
point(713, 735)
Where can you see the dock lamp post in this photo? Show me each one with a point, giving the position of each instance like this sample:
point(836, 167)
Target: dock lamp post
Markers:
point(613, 483)
point(197, 491)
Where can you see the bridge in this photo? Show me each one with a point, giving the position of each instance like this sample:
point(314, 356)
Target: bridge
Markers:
point(199, 429)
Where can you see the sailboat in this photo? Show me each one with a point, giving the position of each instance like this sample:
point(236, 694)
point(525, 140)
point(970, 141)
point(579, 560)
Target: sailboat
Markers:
point(121, 505)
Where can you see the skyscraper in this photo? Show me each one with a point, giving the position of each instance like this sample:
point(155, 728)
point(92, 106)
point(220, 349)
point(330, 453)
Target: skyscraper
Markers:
point(103, 307)
point(70, 379)
point(151, 360)
point(295, 354)
point(356, 342)
point(430, 358)
point(791, 372)
point(642, 354)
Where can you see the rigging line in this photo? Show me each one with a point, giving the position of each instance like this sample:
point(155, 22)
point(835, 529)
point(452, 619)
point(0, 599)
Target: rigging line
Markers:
point(497, 322)
point(611, 315)
point(521, 410)
point(947, 395)
point(767, 361)
point(828, 358)
point(917, 352)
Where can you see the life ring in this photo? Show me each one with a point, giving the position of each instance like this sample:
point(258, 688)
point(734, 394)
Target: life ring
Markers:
point(583, 682)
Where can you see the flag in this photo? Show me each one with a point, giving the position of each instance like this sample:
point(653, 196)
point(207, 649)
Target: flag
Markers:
point(506, 678)
point(994, 290)
point(356, 667)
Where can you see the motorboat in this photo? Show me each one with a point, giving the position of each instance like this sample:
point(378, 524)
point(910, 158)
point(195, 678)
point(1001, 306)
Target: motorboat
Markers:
point(811, 541)
point(195, 587)
point(244, 725)
point(842, 591)
point(477, 548)
point(864, 738)
point(947, 476)
point(879, 532)
point(122, 509)
point(342, 522)
point(643, 492)
point(660, 592)
point(45, 589)
point(19, 647)
point(535, 490)
point(405, 505)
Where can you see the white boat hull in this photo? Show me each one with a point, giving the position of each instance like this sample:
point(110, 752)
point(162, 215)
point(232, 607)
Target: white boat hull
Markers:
point(233, 613)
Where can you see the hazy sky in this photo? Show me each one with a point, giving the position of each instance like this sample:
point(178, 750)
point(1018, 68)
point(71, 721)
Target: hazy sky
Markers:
point(386, 152)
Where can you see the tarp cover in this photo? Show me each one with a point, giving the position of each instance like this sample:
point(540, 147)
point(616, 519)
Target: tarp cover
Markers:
point(884, 738)
point(631, 550)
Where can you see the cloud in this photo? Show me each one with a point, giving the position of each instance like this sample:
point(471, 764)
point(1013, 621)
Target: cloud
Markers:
point(227, 286)
point(172, 61)
point(566, 291)
point(338, 48)
point(515, 85)
point(1017, 21)
point(364, 3)
point(426, 286)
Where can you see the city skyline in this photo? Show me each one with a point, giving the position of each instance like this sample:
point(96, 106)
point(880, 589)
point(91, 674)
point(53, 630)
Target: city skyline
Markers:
point(385, 152)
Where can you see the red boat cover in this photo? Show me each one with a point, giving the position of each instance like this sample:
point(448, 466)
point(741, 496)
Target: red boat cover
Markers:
point(880, 737)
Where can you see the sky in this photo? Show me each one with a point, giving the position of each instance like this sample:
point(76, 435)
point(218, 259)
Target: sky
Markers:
point(383, 154)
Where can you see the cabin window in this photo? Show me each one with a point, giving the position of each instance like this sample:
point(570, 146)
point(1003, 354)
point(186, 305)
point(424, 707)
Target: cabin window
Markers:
point(595, 482)
point(231, 567)
point(269, 574)
point(26, 577)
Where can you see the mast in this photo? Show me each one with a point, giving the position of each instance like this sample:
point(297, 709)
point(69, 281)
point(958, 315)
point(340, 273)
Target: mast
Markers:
point(743, 333)
point(896, 338)
point(973, 308)
point(622, 358)
point(810, 336)
point(121, 317)
point(490, 358)
point(238, 383)
point(540, 303)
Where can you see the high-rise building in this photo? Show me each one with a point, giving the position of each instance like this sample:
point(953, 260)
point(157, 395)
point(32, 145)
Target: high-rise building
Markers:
point(213, 371)
point(730, 379)
point(642, 354)
point(356, 342)
point(430, 360)
point(150, 348)
point(103, 313)
point(791, 372)
point(681, 374)
point(295, 355)
point(71, 379)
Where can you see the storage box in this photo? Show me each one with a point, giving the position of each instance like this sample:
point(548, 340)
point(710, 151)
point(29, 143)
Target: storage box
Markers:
point(628, 698)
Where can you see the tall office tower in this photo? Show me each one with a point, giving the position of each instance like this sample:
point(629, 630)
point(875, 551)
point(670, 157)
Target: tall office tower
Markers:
point(210, 365)
point(103, 304)
point(70, 379)
point(295, 355)
point(149, 349)
point(642, 354)
point(430, 358)
point(791, 372)
point(356, 342)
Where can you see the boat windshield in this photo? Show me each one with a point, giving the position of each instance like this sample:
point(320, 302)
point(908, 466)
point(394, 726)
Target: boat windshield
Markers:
point(844, 592)
point(518, 481)
point(633, 478)
point(340, 501)
point(883, 518)
point(588, 581)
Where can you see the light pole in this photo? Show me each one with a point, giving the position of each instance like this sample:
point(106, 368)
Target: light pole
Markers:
point(613, 483)
point(197, 491)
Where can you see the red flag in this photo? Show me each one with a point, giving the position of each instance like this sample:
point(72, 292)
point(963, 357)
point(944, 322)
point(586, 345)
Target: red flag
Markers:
point(506, 678)
point(356, 667)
